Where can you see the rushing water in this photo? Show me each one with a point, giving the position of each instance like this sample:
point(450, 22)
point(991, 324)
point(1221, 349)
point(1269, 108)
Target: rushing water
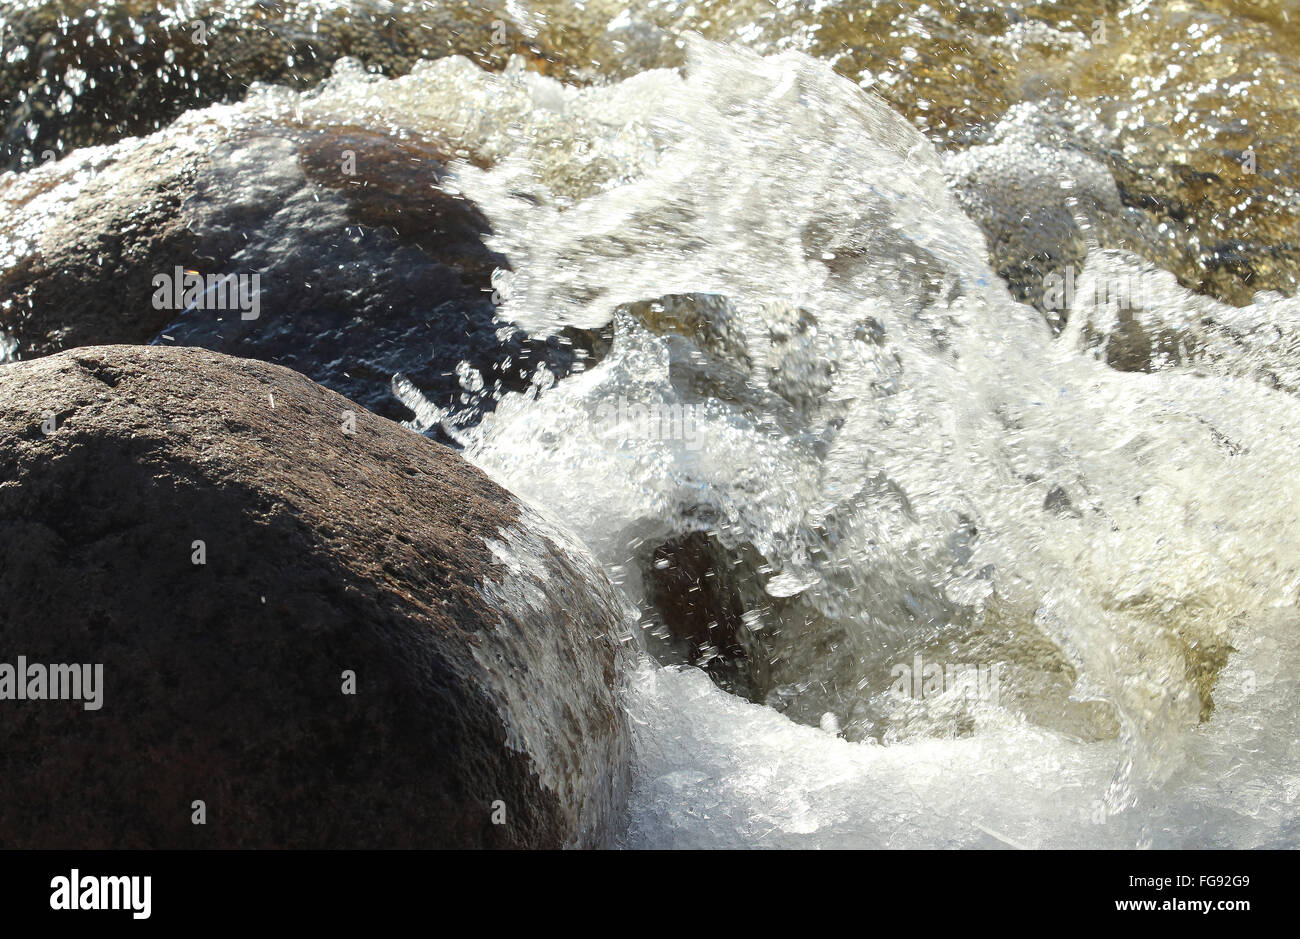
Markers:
point(813, 364)
point(929, 386)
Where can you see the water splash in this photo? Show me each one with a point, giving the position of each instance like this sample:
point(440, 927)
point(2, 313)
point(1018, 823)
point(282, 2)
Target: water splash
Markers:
point(897, 457)
point(820, 395)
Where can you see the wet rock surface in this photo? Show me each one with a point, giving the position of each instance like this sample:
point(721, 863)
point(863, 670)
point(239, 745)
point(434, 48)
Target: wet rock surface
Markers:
point(79, 76)
point(333, 545)
point(1049, 185)
point(370, 278)
point(83, 238)
point(699, 614)
point(374, 281)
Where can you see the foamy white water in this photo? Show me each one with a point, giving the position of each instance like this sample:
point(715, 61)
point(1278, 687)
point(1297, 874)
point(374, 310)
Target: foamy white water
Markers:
point(917, 463)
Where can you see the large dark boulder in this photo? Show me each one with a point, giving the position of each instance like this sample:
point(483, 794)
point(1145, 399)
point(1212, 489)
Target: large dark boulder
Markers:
point(374, 282)
point(482, 640)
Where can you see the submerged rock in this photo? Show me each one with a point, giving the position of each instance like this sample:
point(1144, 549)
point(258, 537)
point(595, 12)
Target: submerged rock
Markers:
point(1049, 184)
point(76, 76)
point(1137, 318)
point(374, 280)
point(699, 614)
point(371, 278)
point(241, 550)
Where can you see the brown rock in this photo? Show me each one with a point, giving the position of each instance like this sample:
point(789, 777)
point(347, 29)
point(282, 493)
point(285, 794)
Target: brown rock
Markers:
point(482, 638)
point(363, 277)
point(84, 237)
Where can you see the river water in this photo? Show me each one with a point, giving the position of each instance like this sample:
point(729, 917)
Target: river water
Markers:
point(943, 425)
